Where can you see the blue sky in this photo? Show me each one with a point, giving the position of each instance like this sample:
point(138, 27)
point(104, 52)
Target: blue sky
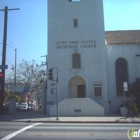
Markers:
point(122, 14)
point(27, 27)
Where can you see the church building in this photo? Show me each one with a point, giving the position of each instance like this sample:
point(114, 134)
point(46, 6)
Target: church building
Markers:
point(88, 65)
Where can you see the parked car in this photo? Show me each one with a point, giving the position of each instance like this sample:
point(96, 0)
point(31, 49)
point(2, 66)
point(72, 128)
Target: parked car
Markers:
point(16, 107)
point(6, 107)
point(23, 107)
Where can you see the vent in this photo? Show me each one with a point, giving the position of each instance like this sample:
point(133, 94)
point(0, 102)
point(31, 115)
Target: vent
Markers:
point(74, 0)
point(49, 102)
point(77, 110)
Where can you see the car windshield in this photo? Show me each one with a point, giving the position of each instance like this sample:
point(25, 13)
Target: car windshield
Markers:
point(23, 104)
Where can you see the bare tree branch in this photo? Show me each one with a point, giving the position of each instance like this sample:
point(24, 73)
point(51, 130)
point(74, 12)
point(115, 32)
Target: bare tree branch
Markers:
point(30, 74)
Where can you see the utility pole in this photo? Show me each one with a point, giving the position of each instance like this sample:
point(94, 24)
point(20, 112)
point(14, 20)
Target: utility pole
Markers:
point(51, 77)
point(15, 67)
point(57, 96)
point(45, 90)
point(4, 56)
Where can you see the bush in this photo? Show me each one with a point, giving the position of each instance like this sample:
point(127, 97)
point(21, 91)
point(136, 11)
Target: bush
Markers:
point(138, 105)
point(135, 110)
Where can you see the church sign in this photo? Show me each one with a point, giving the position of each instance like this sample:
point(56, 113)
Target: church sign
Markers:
point(125, 85)
point(75, 44)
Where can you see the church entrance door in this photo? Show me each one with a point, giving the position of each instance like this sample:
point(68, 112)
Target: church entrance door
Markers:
point(81, 91)
point(76, 87)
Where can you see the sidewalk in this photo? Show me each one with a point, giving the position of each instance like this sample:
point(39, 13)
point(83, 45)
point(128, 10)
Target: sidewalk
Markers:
point(39, 117)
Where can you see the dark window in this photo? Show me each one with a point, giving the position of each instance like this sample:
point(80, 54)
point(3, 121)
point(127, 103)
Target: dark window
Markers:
point(121, 75)
point(98, 90)
point(75, 23)
point(76, 61)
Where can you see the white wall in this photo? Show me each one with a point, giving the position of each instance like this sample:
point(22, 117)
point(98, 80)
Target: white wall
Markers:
point(91, 29)
point(84, 107)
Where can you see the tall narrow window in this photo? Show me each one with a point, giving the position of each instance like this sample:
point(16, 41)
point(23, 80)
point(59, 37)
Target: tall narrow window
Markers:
point(76, 61)
point(98, 90)
point(121, 75)
point(75, 23)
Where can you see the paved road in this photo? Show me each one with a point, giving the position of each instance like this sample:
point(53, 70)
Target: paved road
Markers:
point(64, 131)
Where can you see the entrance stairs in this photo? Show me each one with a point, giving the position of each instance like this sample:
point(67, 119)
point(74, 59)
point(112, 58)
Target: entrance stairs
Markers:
point(78, 107)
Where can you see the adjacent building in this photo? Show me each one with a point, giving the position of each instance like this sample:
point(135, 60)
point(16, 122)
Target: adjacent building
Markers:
point(123, 63)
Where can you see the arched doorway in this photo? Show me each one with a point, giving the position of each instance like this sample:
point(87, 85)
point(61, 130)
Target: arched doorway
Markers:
point(77, 87)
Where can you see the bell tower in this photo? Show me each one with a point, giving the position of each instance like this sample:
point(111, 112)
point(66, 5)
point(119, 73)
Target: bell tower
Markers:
point(76, 45)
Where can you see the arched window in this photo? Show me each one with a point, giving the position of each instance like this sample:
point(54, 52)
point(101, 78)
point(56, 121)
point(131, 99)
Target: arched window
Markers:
point(121, 74)
point(76, 61)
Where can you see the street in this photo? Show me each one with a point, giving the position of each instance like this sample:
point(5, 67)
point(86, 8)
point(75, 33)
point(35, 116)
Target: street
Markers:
point(65, 131)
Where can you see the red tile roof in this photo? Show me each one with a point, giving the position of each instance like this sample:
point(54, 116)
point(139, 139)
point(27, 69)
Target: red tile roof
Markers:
point(123, 37)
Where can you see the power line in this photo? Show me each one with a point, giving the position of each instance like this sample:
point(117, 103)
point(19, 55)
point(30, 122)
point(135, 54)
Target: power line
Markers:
point(7, 60)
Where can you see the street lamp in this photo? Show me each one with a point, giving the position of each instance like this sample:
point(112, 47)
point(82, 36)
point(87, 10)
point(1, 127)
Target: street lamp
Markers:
point(15, 62)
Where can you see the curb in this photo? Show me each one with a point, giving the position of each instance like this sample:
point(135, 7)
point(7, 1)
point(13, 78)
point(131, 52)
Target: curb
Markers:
point(61, 121)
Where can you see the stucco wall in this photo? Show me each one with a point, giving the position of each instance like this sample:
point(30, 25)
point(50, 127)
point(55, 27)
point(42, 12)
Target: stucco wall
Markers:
point(78, 107)
point(90, 31)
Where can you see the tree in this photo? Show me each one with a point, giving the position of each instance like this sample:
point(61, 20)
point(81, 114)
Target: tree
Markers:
point(31, 75)
point(6, 95)
point(17, 97)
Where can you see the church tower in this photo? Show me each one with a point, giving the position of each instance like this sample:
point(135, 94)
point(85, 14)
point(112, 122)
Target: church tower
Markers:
point(76, 46)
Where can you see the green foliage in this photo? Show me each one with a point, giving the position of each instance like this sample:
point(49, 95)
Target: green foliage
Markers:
point(17, 97)
point(134, 89)
point(6, 95)
point(135, 109)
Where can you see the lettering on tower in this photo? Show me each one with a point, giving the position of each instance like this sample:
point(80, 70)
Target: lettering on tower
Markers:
point(75, 44)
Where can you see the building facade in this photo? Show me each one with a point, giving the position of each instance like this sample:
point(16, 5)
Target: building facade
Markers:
point(85, 64)
point(123, 63)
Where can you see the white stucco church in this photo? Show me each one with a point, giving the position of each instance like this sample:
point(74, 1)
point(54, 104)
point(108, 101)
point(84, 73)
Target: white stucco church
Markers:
point(92, 64)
